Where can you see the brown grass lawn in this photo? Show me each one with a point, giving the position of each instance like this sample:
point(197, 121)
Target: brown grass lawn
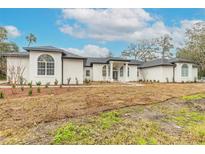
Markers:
point(18, 111)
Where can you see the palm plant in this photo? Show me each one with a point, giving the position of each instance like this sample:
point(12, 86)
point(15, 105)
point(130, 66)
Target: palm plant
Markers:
point(31, 38)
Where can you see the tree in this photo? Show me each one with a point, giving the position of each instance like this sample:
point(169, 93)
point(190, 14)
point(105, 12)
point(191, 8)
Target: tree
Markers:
point(15, 74)
point(194, 48)
point(142, 50)
point(164, 46)
point(5, 46)
point(31, 38)
point(3, 34)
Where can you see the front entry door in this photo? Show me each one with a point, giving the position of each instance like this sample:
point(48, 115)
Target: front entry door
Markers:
point(115, 75)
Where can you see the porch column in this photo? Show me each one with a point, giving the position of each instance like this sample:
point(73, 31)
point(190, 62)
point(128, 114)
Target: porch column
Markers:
point(111, 71)
point(125, 74)
point(107, 73)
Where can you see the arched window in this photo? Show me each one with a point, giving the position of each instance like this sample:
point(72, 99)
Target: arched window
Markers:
point(121, 71)
point(185, 70)
point(45, 65)
point(104, 71)
point(128, 71)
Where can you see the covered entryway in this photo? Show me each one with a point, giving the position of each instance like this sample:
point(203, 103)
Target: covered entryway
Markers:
point(115, 75)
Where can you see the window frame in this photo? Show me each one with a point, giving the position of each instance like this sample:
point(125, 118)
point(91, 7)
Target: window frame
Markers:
point(49, 65)
point(104, 73)
point(184, 70)
point(121, 71)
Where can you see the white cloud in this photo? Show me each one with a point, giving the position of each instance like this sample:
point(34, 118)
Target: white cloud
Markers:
point(104, 24)
point(119, 24)
point(90, 51)
point(13, 31)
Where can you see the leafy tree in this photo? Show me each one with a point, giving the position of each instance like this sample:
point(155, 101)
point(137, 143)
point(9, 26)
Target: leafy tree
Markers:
point(194, 48)
point(3, 34)
point(5, 46)
point(31, 38)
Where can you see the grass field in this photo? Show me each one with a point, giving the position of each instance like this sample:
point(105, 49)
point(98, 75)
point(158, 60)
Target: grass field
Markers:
point(149, 114)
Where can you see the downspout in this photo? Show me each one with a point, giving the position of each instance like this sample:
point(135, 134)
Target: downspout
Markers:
point(62, 69)
point(174, 72)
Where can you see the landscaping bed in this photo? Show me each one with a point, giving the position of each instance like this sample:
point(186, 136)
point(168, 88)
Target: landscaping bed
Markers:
point(26, 119)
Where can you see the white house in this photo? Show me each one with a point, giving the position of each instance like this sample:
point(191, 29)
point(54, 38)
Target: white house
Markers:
point(48, 64)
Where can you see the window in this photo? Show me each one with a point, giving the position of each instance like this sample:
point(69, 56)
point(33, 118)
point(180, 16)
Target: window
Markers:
point(45, 65)
point(121, 71)
point(128, 71)
point(87, 73)
point(104, 71)
point(185, 70)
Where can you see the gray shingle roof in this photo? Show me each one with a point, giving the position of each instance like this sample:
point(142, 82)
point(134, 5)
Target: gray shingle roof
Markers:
point(65, 53)
point(175, 60)
point(135, 62)
point(156, 62)
point(44, 48)
point(90, 60)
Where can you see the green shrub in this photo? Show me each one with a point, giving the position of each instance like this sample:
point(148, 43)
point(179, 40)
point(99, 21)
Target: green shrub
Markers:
point(13, 86)
point(38, 83)
point(1, 95)
point(47, 84)
point(68, 81)
point(167, 80)
point(56, 82)
point(22, 88)
point(30, 84)
point(87, 81)
point(38, 89)
point(30, 92)
point(21, 80)
point(76, 81)
point(194, 79)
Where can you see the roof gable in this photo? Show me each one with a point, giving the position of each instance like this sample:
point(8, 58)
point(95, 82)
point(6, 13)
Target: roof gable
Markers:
point(65, 53)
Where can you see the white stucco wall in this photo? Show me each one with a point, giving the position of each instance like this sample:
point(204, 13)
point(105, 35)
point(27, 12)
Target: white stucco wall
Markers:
point(192, 73)
point(34, 77)
point(161, 73)
point(91, 73)
point(133, 73)
point(97, 72)
point(22, 62)
point(73, 68)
